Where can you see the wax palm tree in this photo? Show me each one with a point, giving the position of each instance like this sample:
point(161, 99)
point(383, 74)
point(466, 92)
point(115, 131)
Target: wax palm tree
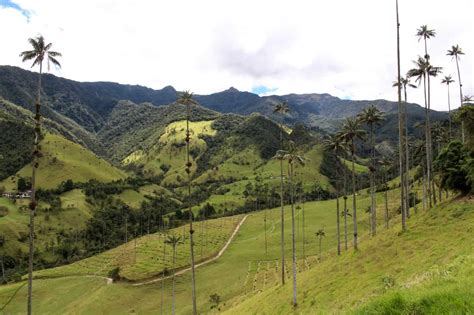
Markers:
point(334, 145)
point(424, 33)
point(282, 109)
point(293, 158)
point(422, 72)
point(40, 52)
point(386, 164)
point(351, 131)
point(456, 52)
point(372, 116)
point(320, 234)
point(448, 80)
point(405, 83)
point(400, 123)
point(173, 241)
point(186, 98)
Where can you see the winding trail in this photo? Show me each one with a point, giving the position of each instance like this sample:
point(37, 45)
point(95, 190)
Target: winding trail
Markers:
point(205, 262)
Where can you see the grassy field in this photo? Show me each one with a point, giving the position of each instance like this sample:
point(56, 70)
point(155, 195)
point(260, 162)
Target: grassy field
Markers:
point(425, 262)
point(14, 226)
point(146, 256)
point(63, 160)
point(170, 150)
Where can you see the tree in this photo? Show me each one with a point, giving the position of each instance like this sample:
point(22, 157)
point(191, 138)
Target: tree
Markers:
point(422, 72)
point(424, 33)
point(450, 164)
point(334, 144)
point(320, 234)
point(405, 83)
point(173, 241)
point(40, 52)
point(456, 52)
point(448, 80)
point(351, 131)
point(186, 98)
point(293, 158)
point(400, 124)
point(372, 116)
point(282, 109)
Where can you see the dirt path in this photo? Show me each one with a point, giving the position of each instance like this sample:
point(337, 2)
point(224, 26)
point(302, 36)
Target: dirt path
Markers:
point(205, 262)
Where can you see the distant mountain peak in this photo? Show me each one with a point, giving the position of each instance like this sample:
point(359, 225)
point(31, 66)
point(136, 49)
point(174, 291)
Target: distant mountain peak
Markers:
point(169, 88)
point(232, 89)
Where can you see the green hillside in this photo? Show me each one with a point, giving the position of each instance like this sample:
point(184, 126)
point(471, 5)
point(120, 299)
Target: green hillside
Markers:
point(436, 246)
point(63, 160)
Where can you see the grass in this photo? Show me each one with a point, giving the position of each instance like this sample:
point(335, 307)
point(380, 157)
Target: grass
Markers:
point(143, 258)
point(48, 224)
point(170, 150)
point(430, 260)
point(359, 168)
point(63, 160)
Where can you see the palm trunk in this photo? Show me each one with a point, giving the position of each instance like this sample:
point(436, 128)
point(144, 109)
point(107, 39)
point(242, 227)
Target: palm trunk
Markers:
point(163, 277)
point(282, 212)
point(407, 156)
point(354, 211)
point(386, 206)
point(400, 126)
point(304, 253)
point(33, 203)
point(293, 240)
point(191, 231)
point(172, 287)
point(460, 95)
point(449, 112)
point(373, 210)
point(320, 246)
point(265, 227)
point(432, 183)
point(345, 201)
point(427, 145)
point(338, 226)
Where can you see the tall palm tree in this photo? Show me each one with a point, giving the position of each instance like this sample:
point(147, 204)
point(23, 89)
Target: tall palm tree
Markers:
point(282, 109)
point(424, 33)
point(186, 98)
point(334, 144)
point(448, 80)
point(421, 73)
point(456, 52)
point(372, 116)
point(400, 123)
point(293, 158)
point(173, 241)
point(351, 131)
point(405, 83)
point(320, 234)
point(40, 52)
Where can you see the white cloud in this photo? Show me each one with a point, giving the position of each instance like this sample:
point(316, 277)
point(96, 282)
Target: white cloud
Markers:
point(342, 47)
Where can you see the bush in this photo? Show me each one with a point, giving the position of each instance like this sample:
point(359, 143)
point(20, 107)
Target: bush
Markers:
point(452, 165)
point(114, 274)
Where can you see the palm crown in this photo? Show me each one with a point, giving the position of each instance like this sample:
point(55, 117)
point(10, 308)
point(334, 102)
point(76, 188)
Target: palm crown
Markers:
point(351, 131)
point(40, 52)
point(173, 240)
point(447, 80)
point(424, 33)
point(281, 108)
point(371, 115)
point(423, 67)
point(455, 52)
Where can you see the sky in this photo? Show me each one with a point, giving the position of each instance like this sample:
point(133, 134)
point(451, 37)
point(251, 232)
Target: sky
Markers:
point(345, 48)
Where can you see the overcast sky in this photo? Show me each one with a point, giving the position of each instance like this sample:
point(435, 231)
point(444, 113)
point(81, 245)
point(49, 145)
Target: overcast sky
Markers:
point(343, 47)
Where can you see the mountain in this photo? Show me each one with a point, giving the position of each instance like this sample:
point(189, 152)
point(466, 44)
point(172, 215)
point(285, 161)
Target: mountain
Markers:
point(90, 104)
